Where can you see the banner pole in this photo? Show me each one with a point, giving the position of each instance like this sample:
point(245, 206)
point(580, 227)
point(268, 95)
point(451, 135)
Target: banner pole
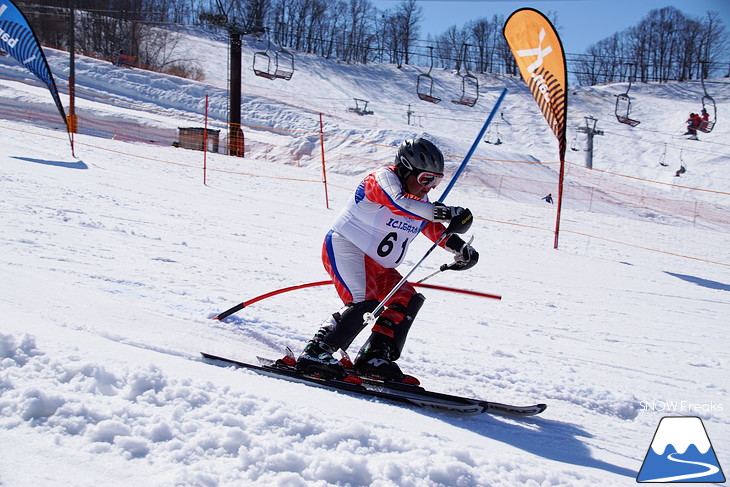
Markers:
point(560, 200)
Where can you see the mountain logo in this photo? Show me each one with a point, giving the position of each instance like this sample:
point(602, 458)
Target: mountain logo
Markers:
point(680, 452)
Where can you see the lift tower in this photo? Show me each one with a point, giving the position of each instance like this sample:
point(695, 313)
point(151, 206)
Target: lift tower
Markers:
point(590, 130)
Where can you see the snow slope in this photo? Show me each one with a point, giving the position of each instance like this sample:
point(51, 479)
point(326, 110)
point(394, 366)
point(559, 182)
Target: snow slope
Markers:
point(113, 263)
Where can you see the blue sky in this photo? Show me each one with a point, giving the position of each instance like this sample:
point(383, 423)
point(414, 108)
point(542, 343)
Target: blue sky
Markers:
point(583, 22)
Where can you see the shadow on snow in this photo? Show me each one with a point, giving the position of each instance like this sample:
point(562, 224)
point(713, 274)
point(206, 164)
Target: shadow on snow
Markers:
point(69, 165)
point(701, 282)
point(552, 440)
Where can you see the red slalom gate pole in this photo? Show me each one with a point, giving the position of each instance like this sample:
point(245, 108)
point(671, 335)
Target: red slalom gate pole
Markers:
point(455, 290)
point(240, 306)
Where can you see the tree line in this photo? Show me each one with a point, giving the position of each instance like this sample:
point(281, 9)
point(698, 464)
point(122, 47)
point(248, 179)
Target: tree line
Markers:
point(665, 45)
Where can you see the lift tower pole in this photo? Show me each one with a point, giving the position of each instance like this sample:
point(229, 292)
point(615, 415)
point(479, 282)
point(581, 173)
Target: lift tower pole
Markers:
point(590, 130)
point(235, 31)
point(235, 134)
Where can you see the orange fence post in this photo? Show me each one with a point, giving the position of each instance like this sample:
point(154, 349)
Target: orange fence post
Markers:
point(205, 142)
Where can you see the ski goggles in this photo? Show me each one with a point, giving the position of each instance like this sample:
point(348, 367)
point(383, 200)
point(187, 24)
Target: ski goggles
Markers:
point(429, 180)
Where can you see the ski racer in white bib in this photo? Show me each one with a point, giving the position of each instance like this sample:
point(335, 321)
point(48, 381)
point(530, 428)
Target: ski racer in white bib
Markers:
point(368, 240)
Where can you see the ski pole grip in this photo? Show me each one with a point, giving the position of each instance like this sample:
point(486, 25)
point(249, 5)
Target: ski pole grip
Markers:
point(461, 223)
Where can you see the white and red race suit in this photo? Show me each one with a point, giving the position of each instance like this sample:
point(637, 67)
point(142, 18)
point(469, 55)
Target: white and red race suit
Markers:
point(370, 238)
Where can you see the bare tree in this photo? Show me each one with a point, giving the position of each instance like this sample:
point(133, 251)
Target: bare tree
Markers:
point(664, 45)
point(407, 18)
point(449, 47)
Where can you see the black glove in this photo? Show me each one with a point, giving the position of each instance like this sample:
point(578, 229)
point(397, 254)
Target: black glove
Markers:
point(443, 213)
point(465, 256)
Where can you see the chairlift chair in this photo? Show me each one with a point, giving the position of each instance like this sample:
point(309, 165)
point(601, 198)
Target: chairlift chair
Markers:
point(488, 138)
point(574, 143)
point(263, 65)
point(469, 91)
point(284, 61)
point(424, 84)
point(281, 66)
point(663, 157)
point(469, 84)
point(708, 105)
point(360, 110)
point(623, 107)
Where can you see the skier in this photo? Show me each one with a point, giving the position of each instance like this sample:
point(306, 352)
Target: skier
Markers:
point(705, 120)
point(548, 198)
point(368, 240)
point(692, 123)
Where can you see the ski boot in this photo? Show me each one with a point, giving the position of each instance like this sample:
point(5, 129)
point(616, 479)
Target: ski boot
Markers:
point(376, 360)
point(317, 359)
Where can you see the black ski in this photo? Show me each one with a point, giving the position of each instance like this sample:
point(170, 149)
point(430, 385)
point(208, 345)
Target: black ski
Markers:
point(396, 392)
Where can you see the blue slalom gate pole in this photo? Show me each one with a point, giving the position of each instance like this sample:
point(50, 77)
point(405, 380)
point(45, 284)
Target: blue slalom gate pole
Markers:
point(473, 147)
point(371, 317)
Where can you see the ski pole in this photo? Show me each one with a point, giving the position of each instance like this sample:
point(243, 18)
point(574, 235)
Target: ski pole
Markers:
point(444, 267)
point(440, 269)
point(371, 317)
point(458, 224)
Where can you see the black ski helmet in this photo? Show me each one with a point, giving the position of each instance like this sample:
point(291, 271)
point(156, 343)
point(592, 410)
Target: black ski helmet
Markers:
point(418, 155)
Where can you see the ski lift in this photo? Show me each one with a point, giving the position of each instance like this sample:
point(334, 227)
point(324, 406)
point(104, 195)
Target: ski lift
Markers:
point(623, 106)
point(424, 83)
point(469, 84)
point(574, 143)
point(262, 63)
point(709, 108)
point(469, 90)
point(284, 61)
point(663, 157)
point(360, 110)
point(497, 136)
point(682, 166)
point(280, 66)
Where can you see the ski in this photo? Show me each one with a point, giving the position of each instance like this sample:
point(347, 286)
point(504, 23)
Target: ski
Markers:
point(488, 406)
point(388, 391)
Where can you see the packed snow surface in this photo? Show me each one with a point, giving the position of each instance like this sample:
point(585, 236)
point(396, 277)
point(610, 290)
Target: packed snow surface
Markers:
point(114, 261)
